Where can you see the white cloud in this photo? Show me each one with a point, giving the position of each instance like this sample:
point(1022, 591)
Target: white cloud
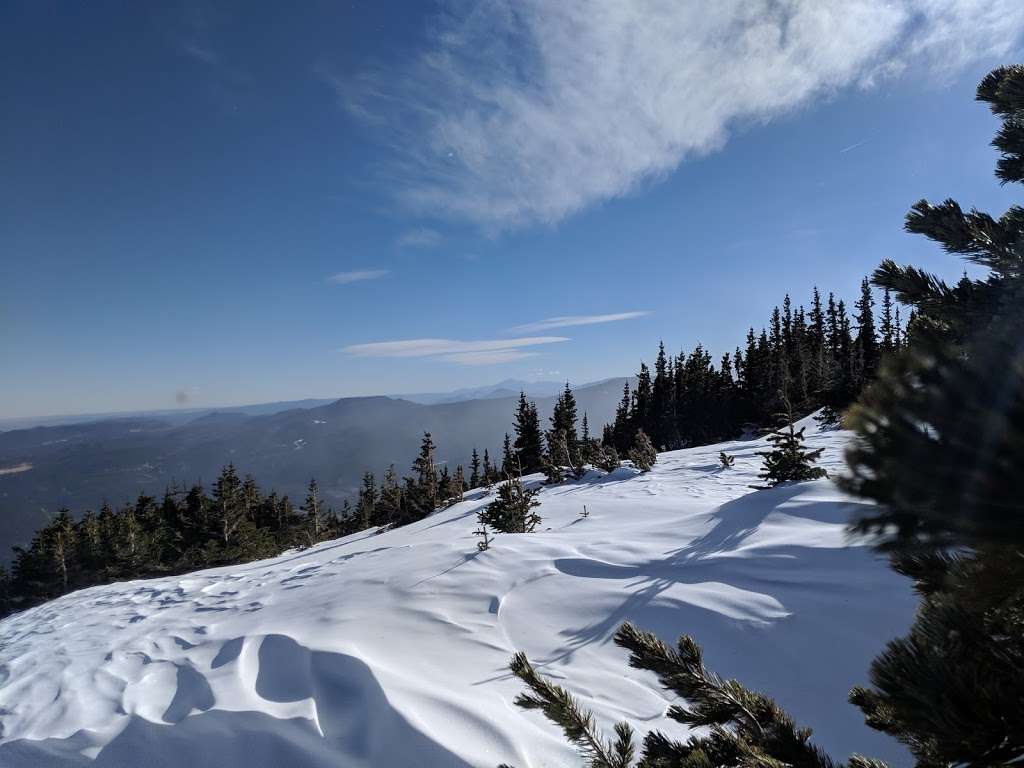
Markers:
point(486, 352)
point(419, 238)
point(344, 278)
point(573, 320)
point(524, 111)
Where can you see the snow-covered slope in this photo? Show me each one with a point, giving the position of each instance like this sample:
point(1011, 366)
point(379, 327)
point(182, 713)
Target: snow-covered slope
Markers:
point(391, 649)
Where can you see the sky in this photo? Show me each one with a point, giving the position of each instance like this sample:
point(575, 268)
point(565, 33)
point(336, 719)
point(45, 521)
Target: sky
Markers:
point(208, 203)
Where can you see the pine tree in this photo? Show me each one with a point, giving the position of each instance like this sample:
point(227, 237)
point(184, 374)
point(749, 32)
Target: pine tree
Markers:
point(529, 442)
point(313, 507)
point(474, 470)
point(563, 421)
point(888, 327)
point(512, 510)
point(489, 471)
point(641, 412)
point(227, 507)
point(366, 507)
point(621, 434)
point(941, 451)
point(866, 344)
point(509, 461)
point(425, 499)
point(788, 461)
point(642, 454)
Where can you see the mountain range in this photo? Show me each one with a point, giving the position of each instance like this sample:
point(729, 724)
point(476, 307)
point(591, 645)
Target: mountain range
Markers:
point(81, 465)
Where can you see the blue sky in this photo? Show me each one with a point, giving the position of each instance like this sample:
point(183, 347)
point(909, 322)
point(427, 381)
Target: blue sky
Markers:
point(222, 203)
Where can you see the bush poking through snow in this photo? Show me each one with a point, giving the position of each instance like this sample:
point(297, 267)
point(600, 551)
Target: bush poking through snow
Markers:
point(485, 538)
point(512, 511)
point(726, 460)
point(642, 454)
point(746, 728)
point(608, 459)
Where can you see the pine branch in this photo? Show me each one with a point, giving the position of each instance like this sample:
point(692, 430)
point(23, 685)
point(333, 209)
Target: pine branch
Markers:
point(559, 706)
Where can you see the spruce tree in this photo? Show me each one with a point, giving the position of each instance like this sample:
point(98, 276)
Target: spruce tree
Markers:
point(366, 507)
point(426, 496)
point(512, 510)
point(788, 460)
point(314, 509)
point(474, 470)
point(529, 442)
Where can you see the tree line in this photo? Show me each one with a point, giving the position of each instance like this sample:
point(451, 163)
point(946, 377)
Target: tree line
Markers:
point(812, 359)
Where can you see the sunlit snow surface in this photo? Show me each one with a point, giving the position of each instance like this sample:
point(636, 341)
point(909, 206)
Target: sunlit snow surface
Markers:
point(390, 649)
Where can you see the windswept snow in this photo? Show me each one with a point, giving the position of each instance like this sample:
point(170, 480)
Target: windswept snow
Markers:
point(391, 649)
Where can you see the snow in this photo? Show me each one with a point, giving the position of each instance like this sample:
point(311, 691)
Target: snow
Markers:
point(390, 649)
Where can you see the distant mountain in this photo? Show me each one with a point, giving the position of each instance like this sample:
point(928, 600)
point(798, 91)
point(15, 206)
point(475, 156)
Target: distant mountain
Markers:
point(81, 465)
point(506, 388)
point(170, 415)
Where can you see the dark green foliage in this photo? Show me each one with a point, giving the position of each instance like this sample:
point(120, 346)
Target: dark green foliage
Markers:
point(529, 442)
point(642, 454)
point(475, 478)
point(742, 728)
point(814, 357)
point(941, 450)
point(185, 531)
point(726, 460)
point(788, 460)
point(951, 688)
point(512, 510)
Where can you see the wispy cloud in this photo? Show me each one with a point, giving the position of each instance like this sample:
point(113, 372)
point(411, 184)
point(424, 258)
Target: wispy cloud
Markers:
point(421, 237)
point(525, 111)
point(485, 352)
point(573, 320)
point(356, 276)
point(852, 147)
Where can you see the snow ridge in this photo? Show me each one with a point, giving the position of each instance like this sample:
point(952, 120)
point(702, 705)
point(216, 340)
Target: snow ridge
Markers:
point(390, 649)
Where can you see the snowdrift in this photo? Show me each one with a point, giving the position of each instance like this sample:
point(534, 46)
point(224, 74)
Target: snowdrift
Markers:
point(390, 649)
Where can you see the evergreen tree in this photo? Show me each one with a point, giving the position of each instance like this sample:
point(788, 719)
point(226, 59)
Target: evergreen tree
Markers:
point(489, 471)
point(366, 507)
point(941, 451)
point(642, 454)
point(788, 460)
point(888, 327)
point(425, 499)
point(866, 344)
point(313, 507)
point(563, 422)
point(474, 470)
point(509, 462)
point(621, 434)
point(512, 510)
point(529, 442)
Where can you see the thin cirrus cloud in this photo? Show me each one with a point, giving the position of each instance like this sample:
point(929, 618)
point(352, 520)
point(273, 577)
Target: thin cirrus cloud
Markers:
point(358, 276)
point(520, 112)
point(421, 237)
point(484, 352)
point(568, 321)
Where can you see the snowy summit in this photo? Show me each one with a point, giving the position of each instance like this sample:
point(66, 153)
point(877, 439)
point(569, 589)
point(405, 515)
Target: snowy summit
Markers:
point(391, 648)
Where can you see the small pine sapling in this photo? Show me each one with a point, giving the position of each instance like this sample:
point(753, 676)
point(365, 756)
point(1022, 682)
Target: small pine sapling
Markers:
point(726, 460)
point(788, 460)
point(485, 536)
point(512, 510)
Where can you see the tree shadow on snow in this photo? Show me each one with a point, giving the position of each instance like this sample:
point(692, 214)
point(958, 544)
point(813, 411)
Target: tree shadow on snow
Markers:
point(771, 617)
